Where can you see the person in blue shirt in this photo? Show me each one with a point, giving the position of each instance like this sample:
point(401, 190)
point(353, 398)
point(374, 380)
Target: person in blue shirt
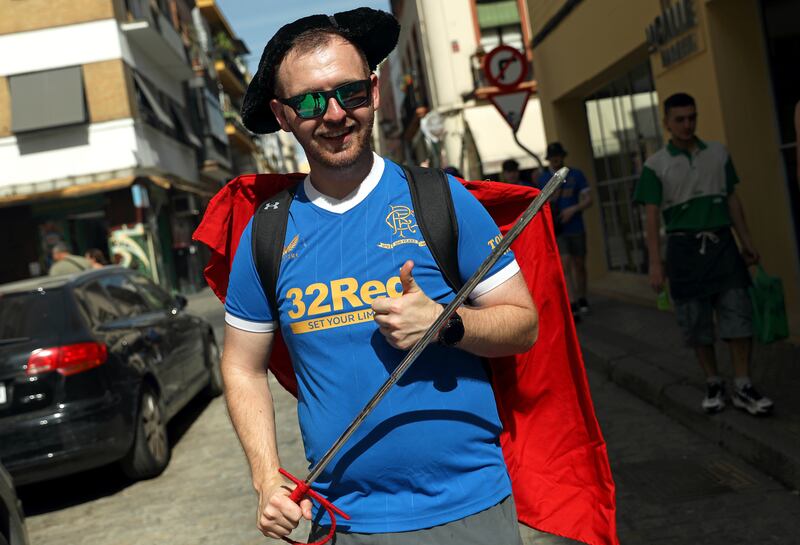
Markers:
point(357, 288)
point(568, 205)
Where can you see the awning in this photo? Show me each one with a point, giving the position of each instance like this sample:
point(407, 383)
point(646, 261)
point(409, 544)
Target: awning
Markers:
point(204, 190)
point(152, 101)
point(495, 141)
point(186, 125)
point(81, 189)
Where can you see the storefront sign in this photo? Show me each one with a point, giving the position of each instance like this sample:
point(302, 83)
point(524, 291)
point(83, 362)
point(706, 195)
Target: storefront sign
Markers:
point(672, 34)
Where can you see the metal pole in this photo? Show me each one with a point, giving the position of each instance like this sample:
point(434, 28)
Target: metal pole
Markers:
point(529, 152)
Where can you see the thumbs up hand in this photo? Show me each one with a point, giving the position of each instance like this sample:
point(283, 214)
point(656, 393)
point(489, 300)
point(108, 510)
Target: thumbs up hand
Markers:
point(404, 320)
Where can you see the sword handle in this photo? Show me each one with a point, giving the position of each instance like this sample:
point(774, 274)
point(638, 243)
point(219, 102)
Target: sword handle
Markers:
point(301, 491)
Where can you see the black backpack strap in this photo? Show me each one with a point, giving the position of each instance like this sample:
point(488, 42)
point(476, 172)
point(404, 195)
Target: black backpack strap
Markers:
point(269, 234)
point(436, 217)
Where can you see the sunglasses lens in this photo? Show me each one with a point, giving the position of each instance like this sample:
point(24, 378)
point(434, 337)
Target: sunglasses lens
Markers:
point(310, 105)
point(314, 104)
point(353, 94)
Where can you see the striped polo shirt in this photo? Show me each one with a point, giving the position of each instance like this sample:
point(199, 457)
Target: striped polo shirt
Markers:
point(691, 188)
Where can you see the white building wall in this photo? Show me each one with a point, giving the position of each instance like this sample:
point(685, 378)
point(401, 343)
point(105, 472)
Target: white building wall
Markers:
point(110, 146)
point(57, 47)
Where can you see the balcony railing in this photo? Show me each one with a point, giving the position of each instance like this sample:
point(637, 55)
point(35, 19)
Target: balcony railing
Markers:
point(229, 71)
point(152, 33)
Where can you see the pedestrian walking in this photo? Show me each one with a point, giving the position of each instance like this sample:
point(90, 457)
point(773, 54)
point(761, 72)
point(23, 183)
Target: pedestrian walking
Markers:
point(510, 172)
point(96, 257)
point(64, 262)
point(691, 183)
point(568, 205)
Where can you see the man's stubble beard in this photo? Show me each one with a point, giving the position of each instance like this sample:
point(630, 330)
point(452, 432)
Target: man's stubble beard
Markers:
point(361, 141)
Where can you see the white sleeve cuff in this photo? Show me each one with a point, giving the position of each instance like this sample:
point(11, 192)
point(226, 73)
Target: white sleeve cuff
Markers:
point(495, 280)
point(247, 325)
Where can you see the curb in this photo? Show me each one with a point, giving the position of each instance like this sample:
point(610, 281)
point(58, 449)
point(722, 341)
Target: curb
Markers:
point(759, 441)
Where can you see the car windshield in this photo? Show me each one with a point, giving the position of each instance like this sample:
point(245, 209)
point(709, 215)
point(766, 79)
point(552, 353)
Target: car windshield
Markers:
point(29, 315)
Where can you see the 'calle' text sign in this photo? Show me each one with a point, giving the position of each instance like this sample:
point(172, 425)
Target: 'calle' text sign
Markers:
point(670, 34)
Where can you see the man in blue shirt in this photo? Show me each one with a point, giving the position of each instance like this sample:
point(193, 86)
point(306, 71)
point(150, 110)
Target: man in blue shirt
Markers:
point(357, 288)
point(568, 205)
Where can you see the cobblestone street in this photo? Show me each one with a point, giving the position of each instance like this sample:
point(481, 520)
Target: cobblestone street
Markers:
point(674, 487)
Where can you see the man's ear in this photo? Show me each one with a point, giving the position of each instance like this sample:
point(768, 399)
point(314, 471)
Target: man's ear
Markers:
point(280, 114)
point(376, 92)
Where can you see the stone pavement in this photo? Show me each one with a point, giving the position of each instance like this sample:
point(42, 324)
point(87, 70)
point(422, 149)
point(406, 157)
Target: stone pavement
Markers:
point(673, 486)
point(640, 349)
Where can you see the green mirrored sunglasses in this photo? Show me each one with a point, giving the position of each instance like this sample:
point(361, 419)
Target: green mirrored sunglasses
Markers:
point(315, 103)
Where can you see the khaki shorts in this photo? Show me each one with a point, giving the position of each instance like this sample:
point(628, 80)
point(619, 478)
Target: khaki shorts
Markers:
point(495, 526)
point(734, 317)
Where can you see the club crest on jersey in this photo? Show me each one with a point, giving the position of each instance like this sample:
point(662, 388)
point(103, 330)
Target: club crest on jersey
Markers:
point(289, 249)
point(403, 224)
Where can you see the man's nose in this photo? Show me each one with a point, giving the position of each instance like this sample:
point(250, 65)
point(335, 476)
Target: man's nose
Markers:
point(335, 113)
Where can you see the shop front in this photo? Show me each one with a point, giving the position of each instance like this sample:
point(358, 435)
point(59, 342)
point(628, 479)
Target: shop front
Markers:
point(604, 68)
point(139, 222)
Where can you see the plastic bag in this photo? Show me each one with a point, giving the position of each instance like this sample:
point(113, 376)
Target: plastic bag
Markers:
point(769, 312)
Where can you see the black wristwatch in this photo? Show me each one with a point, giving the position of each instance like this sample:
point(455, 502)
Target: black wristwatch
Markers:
point(452, 332)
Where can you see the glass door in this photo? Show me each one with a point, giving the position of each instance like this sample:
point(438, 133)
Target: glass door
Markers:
point(624, 130)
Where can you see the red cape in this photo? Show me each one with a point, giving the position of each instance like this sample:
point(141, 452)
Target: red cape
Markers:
point(553, 447)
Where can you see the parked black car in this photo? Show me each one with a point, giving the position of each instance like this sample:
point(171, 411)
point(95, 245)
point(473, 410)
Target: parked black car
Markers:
point(12, 521)
point(92, 367)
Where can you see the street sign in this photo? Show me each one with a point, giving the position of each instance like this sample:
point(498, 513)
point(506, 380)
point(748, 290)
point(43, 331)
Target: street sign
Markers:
point(505, 67)
point(511, 106)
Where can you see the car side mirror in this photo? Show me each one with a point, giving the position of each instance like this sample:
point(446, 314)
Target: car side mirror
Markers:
point(181, 302)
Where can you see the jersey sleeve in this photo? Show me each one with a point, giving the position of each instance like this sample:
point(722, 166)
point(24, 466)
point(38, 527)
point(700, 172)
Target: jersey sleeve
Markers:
point(477, 236)
point(543, 178)
point(246, 306)
point(648, 189)
point(581, 184)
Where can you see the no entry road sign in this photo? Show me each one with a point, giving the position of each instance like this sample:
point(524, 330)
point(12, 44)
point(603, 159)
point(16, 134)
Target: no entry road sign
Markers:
point(505, 67)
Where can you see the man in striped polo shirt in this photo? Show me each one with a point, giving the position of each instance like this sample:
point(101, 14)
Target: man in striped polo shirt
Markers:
point(691, 183)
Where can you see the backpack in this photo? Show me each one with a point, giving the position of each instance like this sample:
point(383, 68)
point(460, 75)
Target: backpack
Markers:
point(433, 208)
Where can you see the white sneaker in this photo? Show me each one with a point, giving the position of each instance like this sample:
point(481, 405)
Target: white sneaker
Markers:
point(748, 399)
point(714, 401)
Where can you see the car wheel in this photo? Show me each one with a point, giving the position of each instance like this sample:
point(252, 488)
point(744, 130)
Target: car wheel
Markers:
point(150, 452)
point(215, 386)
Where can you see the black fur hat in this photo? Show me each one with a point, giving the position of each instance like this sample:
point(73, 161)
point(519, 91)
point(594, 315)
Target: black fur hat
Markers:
point(373, 31)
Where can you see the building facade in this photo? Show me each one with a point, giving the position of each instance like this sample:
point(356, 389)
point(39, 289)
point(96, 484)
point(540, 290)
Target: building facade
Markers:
point(113, 133)
point(435, 97)
point(604, 68)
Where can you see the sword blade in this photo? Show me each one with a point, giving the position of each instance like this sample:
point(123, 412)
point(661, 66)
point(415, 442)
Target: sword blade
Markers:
point(548, 190)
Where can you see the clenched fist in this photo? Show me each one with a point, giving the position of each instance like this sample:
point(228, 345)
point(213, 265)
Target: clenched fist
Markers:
point(277, 514)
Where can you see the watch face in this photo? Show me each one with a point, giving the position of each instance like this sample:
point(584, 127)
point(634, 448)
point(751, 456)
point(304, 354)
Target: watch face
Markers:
point(453, 332)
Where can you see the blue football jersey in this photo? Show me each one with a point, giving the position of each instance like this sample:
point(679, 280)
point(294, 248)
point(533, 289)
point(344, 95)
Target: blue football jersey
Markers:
point(429, 453)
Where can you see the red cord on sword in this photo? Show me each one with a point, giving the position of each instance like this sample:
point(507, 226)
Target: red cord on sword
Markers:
point(303, 487)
